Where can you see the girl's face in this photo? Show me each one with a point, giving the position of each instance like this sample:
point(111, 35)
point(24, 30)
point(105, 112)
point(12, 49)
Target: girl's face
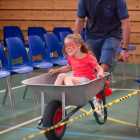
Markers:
point(70, 47)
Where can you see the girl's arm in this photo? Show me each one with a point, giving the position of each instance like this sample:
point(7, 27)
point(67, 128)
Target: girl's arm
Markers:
point(100, 71)
point(62, 69)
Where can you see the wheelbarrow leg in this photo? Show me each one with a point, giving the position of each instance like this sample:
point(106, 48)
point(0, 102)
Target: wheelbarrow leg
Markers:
point(63, 104)
point(34, 96)
point(24, 92)
point(42, 102)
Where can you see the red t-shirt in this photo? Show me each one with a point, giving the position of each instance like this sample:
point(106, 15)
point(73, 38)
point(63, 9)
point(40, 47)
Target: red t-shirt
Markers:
point(83, 67)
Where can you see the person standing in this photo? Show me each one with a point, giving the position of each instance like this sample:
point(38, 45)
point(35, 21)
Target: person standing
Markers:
point(104, 33)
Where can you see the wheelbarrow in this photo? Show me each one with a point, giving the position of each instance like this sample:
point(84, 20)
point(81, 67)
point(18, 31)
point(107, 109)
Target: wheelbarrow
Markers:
point(58, 96)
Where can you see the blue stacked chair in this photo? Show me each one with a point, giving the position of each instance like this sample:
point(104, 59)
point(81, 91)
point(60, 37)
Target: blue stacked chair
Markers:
point(13, 31)
point(37, 47)
point(12, 70)
point(83, 34)
point(52, 44)
point(63, 36)
point(57, 30)
point(16, 49)
point(39, 31)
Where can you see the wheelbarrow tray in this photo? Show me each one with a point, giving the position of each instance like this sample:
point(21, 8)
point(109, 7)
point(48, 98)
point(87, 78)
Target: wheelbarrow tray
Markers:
point(78, 95)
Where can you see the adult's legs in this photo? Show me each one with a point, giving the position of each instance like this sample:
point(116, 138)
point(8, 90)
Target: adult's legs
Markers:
point(108, 54)
point(105, 51)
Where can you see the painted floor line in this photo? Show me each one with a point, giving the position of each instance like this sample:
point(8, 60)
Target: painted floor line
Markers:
point(113, 89)
point(84, 134)
point(13, 88)
point(74, 133)
point(124, 89)
point(15, 127)
point(83, 110)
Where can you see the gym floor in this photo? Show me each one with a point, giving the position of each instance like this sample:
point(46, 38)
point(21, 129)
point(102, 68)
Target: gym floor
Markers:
point(121, 123)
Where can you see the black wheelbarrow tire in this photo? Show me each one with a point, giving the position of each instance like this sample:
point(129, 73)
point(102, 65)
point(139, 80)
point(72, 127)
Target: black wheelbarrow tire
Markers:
point(52, 115)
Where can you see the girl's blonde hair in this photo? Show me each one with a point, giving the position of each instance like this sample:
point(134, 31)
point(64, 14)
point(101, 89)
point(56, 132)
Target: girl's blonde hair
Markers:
point(77, 39)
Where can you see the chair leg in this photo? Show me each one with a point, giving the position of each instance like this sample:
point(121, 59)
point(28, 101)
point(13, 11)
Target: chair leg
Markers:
point(138, 109)
point(124, 75)
point(11, 96)
point(6, 93)
point(135, 64)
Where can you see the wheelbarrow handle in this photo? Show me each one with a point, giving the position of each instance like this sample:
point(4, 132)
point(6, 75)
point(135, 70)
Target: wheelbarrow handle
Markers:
point(114, 64)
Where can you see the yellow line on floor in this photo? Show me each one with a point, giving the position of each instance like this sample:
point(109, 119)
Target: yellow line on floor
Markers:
point(127, 77)
point(110, 118)
point(38, 73)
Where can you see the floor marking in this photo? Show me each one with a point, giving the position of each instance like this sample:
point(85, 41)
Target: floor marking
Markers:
point(113, 89)
point(124, 89)
point(67, 107)
point(15, 127)
point(110, 118)
point(127, 77)
point(38, 73)
point(74, 133)
point(115, 137)
point(13, 88)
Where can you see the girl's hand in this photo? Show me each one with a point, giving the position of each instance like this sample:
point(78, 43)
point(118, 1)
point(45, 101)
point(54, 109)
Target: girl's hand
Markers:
point(100, 74)
point(52, 71)
point(100, 71)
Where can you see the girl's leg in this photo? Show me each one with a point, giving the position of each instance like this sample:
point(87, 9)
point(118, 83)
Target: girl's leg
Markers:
point(72, 80)
point(60, 79)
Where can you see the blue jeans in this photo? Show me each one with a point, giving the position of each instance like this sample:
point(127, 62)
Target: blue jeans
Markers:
point(105, 49)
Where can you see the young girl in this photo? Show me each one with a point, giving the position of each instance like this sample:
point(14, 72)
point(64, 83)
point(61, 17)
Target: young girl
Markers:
point(80, 60)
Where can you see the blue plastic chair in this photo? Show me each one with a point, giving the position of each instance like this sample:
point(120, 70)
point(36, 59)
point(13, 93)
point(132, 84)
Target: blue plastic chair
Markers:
point(83, 34)
point(37, 47)
point(138, 108)
point(12, 70)
point(63, 36)
point(16, 49)
point(57, 30)
point(13, 31)
point(52, 44)
point(4, 74)
point(39, 31)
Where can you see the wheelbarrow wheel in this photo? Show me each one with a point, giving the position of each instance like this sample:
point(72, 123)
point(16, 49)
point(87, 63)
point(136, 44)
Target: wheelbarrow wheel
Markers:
point(52, 115)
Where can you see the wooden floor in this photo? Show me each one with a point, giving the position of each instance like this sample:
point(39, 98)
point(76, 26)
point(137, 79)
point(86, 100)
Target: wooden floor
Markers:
point(121, 116)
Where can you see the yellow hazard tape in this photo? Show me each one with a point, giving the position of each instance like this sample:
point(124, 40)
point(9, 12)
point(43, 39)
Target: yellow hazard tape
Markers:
point(83, 115)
